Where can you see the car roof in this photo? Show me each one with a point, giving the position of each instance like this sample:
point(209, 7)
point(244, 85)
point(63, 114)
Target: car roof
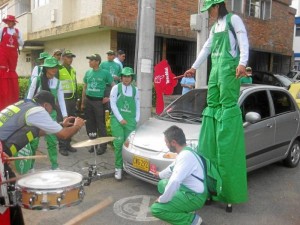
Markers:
point(253, 87)
point(260, 86)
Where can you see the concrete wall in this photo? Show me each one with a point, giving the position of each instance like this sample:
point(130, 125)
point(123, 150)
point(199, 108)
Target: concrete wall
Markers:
point(65, 11)
point(81, 46)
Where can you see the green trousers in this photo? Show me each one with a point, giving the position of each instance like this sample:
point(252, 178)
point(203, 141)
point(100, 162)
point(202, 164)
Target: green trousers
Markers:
point(178, 211)
point(222, 135)
point(120, 132)
point(51, 141)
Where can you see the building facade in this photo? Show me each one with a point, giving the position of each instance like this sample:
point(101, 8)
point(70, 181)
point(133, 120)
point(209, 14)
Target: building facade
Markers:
point(296, 44)
point(95, 26)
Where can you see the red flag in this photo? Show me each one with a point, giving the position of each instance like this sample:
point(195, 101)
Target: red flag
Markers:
point(163, 83)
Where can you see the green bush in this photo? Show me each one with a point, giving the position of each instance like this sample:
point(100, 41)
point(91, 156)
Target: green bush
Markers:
point(23, 86)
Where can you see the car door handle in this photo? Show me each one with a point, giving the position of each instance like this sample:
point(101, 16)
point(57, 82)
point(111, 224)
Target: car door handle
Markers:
point(296, 118)
point(269, 125)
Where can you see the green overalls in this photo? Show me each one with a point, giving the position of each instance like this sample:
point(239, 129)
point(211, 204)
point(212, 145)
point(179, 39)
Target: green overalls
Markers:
point(179, 211)
point(222, 135)
point(51, 139)
point(127, 109)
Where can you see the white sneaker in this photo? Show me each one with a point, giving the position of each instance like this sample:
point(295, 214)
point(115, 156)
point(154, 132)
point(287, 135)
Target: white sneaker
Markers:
point(197, 220)
point(118, 174)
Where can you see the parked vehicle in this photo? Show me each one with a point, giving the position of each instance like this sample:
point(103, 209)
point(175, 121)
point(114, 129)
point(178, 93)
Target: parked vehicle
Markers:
point(259, 77)
point(294, 75)
point(271, 125)
point(295, 92)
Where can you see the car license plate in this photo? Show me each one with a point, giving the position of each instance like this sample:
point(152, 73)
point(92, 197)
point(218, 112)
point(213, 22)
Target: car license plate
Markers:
point(140, 163)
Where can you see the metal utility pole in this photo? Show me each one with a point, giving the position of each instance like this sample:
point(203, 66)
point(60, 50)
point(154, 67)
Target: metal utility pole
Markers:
point(202, 35)
point(145, 55)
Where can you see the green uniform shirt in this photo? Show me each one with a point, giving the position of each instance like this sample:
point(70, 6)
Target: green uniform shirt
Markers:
point(112, 67)
point(96, 81)
point(246, 80)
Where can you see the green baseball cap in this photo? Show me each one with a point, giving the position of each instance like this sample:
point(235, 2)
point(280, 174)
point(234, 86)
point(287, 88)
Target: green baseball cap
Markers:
point(43, 55)
point(68, 53)
point(110, 52)
point(96, 57)
point(208, 3)
point(50, 62)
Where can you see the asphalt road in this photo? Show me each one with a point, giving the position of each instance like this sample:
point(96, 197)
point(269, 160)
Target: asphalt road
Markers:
point(274, 198)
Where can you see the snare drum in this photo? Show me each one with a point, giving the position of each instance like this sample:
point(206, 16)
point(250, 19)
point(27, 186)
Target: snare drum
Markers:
point(47, 190)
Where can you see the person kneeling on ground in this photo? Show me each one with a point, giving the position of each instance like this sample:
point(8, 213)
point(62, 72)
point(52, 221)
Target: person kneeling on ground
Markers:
point(184, 191)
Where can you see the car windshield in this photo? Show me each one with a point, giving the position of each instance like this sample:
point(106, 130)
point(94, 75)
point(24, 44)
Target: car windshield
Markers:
point(284, 79)
point(187, 108)
point(291, 74)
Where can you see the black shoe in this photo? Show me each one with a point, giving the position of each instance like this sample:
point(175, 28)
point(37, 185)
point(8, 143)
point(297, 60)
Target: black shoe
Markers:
point(63, 152)
point(101, 151)
point(71, 149)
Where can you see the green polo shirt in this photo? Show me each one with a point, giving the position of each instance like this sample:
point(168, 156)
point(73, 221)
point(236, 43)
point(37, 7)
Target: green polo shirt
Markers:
point(96, 81)
point(112, 67)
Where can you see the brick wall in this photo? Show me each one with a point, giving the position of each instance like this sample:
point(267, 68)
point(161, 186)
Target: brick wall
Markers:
point(275, 35)
point(172, 16)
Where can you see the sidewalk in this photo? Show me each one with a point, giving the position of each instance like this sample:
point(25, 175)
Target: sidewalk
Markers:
point(80, 160)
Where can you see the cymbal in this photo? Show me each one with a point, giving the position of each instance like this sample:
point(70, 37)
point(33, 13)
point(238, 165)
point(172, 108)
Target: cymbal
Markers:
point(92, 142)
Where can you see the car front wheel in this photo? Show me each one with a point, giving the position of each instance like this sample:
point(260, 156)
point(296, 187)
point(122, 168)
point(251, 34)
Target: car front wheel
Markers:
point(292, 159)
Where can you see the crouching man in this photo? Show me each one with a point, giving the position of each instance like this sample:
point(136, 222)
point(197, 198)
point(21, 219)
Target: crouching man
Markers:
point(182, 187)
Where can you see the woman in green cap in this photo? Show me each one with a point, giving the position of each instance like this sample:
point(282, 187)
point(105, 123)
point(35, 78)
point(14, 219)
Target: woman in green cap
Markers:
point(125, 105)
point(222, 135)
point(48, 82)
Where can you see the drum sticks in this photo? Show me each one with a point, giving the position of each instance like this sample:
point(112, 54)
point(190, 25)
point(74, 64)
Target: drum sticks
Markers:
point(90, 212)
point(25, 157)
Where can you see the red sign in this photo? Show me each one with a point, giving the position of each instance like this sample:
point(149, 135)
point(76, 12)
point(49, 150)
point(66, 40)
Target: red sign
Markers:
point(164, 83)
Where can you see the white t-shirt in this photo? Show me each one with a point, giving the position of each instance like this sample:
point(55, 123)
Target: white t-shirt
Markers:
point(40, 118)
point(185, 165)
point(117, 60)
point(242, 38)
point(52, 85)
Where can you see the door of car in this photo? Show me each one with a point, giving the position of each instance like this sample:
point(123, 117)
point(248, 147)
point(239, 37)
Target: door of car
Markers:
point(286, 119)
point(259, 136)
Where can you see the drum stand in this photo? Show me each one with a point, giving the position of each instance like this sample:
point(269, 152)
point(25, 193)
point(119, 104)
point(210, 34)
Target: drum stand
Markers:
point(92, 171)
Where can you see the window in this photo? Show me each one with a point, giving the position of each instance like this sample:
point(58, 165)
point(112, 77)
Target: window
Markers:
point(39, 3)
point(237, 6)
point(259, 8)
point(256, 102)
point(3, 12)
point(297, 30)
point(22, 6)
point(282, 102)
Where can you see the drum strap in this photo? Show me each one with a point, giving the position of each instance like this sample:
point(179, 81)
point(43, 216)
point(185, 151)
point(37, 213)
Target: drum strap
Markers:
point(3, 189)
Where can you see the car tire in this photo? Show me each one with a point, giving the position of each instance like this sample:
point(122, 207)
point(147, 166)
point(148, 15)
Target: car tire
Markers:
point(293, 157)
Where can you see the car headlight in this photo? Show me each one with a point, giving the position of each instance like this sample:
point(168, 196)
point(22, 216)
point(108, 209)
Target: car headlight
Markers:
point(129, 140)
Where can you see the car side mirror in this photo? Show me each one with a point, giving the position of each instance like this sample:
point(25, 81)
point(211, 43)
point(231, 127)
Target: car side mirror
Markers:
point(251, 117)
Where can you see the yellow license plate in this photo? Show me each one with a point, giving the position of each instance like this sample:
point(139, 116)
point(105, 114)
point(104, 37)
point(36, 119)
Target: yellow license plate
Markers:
point(141, 163)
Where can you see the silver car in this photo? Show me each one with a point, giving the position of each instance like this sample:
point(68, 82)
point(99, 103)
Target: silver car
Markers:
point(271, 125)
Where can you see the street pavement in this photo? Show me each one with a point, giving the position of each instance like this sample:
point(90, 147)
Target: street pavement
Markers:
point(79, 161)
point(273, 195)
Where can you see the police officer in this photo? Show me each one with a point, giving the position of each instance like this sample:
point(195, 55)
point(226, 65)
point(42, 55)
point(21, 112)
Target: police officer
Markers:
point(19, 124)
point(67, 77)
